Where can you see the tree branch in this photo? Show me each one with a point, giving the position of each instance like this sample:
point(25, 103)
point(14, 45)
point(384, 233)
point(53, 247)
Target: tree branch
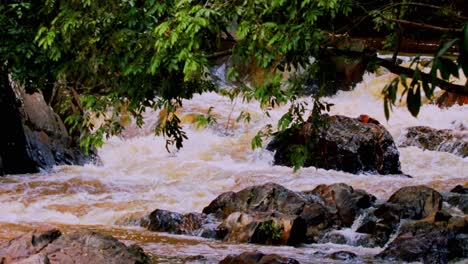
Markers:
point(452, 13)
point(422, 25)
point(444, 85)
point(218, 54)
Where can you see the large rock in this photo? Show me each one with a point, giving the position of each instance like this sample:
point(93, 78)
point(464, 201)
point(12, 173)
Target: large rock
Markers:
point(269, 197)
point(430, 242)
point(271, 205)
point(408, 203)
point(355, 145)
point(50, 246)
point(347, 201)
point(263, 214)
point(417, 202)
point(33, 136)
point(257, 258)
point(445, 140)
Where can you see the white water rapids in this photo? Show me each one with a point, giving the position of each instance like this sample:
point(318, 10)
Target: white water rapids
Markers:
point(138, 175)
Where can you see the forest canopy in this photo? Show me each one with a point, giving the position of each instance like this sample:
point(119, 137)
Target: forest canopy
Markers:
point(128, 55)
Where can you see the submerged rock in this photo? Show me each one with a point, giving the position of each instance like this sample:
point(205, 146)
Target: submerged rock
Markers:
point(50, 246)
point(257, 258)
point(34, 137)
point(355, 145)
point(343, 255)
point(194, 224)
point(445, 140)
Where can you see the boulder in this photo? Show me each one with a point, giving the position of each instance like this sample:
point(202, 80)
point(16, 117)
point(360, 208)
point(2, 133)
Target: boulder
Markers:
point(194, 224)
point(429, 242)
point(343, 198)
point(410, 203)
point(34, 137)
point(354, 145)
point(264, 214)
point(260, 203)
point(445, 140)
point(269, 197)
point(50, 246)
point(257, 258)
point(417, 202)
point(430, 246)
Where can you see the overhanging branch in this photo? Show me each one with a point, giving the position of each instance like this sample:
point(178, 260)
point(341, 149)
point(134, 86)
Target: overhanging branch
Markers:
point(444, 85)
point(218, 54)
point(422, 25)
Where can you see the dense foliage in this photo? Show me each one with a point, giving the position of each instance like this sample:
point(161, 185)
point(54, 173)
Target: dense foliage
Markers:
point(117, 58)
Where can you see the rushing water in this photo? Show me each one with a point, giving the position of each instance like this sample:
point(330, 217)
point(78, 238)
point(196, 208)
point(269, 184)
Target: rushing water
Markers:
point(138, 175)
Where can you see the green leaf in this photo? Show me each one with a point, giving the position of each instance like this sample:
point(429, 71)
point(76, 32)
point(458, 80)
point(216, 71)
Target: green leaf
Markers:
point(386, 110)
point(448, 67)
point(427, 90)
point(414, 100)
point(445, 47)
point(257, 142)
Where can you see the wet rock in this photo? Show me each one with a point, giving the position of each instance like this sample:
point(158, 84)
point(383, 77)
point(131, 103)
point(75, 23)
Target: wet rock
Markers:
point(442, 216)
point(457, 200)
point(412, 202)
point(389, 214)
point(429, 247)
point(417, 202)
point(263, 228)
point(347, 201)
point(274, 200)
point(445, 140)
point(355, 145)
point(35, 137)
point(194, 224)
point(376, 231)
point(460, 189)
point(257, 258)
point(319, 220)
point(430, 242)
point(195, 259)
point(367, 226)
point(343, 255)
point(269, 197)
point(50, 246)
point(27, 245)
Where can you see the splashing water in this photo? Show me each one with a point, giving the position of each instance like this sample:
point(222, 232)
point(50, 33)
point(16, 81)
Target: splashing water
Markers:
point(138, 175)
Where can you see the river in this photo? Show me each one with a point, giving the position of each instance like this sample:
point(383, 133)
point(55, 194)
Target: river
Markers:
point(138, 175)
